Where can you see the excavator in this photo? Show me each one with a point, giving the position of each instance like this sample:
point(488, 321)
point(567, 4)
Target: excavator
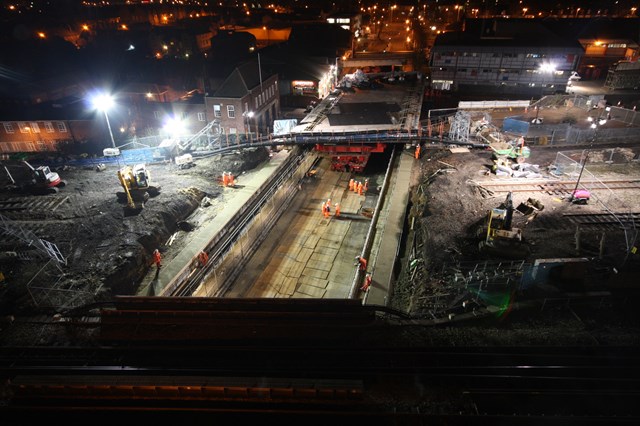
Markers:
point(137, 188)
point(37, 180)
point(500, 238)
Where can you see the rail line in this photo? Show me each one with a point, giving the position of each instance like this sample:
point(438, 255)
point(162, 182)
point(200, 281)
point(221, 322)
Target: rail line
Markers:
point(560, 187)
point(480, 382)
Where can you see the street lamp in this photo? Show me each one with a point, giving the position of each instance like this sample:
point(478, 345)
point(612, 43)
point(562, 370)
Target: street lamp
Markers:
point(248, 115)
point(103, 103)
point(594, 125)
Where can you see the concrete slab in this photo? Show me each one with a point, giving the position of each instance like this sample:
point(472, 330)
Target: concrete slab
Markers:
point(326, 251)
point(312, 241)
point(324, 242)
point(310, 291)
point(320, 274)
point(288, 287)
point(304, 254)
point(312, 280)
point(321, 261)
point(296, 270)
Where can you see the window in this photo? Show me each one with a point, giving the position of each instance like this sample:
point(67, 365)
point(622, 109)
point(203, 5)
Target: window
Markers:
point(232, 130)
point(256, 99)
point(61, 127)
point(8, 127)
point(216, 111)
point(23, 127)
point(156, 114)
point(34, 127)
point(616, 46)
point(201, 116)
point(49, 127)
point(231, 111)
point(42, 146)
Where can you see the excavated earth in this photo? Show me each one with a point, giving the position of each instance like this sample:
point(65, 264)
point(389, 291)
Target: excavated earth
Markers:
point(448, 209)
point(107, 252)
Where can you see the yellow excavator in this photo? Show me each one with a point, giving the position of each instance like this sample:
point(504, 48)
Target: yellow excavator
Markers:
point(137, 188)
point(500, 238)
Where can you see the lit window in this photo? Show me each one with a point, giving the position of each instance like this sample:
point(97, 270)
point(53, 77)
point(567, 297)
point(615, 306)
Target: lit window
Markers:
point(216, 111)
point(61, 127)
point(231, 111)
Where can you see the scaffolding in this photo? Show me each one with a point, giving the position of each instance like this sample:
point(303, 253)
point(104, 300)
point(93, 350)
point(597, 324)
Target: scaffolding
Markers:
point(623, 75)
point(52, 294)
point(460, 127)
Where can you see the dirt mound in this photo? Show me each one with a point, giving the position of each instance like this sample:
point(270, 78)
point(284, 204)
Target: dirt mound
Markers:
point(107, 252)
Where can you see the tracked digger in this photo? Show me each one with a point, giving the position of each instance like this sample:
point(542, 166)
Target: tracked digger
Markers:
point(499, 237)
point(137, 187)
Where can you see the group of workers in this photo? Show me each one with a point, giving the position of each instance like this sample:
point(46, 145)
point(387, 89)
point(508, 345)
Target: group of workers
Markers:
point(228, 179)
point(203, 258)
point(326, 209)
point(359, 187)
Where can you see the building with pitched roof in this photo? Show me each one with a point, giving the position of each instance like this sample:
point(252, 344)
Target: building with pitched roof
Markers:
point(246, 102)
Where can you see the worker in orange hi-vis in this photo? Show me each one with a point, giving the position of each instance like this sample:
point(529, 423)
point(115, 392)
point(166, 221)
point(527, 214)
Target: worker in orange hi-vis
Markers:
point(203, 258)
point(355, 186)
point(324, 207)
point(359, 188)
point(362, 262)
point(366, 185)
point(337, 209)
point(367, 282)
point(231, 179)
point(225, 179)
point(351, 183)
point(327, 210)
point(418, 152)
point(157, 259)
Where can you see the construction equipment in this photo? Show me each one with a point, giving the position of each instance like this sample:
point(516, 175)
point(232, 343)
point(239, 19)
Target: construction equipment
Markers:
point(500, 238)
point(137, 188)
point(580, 196)
point(37, 180)
point(514, 149)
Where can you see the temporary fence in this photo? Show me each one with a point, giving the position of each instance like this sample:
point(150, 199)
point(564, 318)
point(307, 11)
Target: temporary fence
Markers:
point(567, 166)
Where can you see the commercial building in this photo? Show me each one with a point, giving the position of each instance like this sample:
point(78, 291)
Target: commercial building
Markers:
point(503, 56)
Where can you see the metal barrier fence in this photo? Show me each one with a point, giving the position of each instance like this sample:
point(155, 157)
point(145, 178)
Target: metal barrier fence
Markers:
point(566, 165)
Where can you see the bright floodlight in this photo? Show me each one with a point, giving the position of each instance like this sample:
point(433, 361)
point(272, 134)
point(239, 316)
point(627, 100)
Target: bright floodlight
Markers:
point(102, 102)
point(547, 67)
point(173, 126)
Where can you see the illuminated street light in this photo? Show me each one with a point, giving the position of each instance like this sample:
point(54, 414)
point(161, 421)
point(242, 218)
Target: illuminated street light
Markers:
point(248, 115)
point(104, 103)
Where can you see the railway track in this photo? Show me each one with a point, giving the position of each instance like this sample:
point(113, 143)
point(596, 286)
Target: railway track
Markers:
point(348, 382)
point(560, 187)
point(32, 207)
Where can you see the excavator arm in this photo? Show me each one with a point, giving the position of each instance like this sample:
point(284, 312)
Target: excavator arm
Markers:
point(125, 185)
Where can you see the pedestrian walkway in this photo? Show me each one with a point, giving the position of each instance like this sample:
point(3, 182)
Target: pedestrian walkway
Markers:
point(385, 245)
point(234, 198)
